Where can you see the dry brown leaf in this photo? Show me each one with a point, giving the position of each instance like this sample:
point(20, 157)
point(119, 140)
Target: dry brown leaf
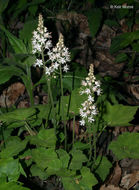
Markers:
point(11, 94)
point(125, 181)
point(110, 187)
point(23, 104)
point(70, 126)
point(115, 176)
point(129, 165)
point(134, 179)
point(129, 180)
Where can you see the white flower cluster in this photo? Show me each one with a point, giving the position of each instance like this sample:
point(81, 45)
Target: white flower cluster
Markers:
point(58, 56)
point(41, 38)
point(90, 86)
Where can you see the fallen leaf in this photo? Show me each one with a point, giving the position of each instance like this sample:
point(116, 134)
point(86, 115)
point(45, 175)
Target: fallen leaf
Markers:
point(129, 180)
point(115, 176)
point(134, 179)
point(110, 187)
point(11, 94)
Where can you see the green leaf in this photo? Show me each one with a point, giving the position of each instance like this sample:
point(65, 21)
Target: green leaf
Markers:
point(7, 72)
point(111, 23)
point(123, 40)
point(43, 112)
point(17, 44)
point(102, 167)
point(22, 170)
point(13, 147)
point(12, 186)
point(64, 157)
point(81, 146)
point(22, 114)
point(75, 102)
point(88, 179)
point(26, 154)
point(25, 33)
point(21, 3)
point(73, 79)
point(65, 173)
point(94, 20)
point(69, 183)
point(121, 13)
point(45, 138)
point(121, 57)
point(3, 5)
point(44, 157)
point(10, 168)
point(119, 115)
point(126, 146)
point(23, 6)
point(135, 46)
point(6, 133)
point(36, 171)
point(33, 10)
point(77, 159)
point(54, 166)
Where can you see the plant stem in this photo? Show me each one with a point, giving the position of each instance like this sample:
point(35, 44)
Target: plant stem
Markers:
point(94, 144)
point(65, 130)
point(31, 132)
point(90, 143)
point(73, 131)
point(2, 135)
point(30, 90)
point(52, 103)
point(49, 92)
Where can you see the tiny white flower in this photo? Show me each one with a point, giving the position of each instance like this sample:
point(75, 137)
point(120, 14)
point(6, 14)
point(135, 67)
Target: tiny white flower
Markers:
point(87, 91)
point(91, 119)
point(38, 62)
point(94, 88)
point(55, 66)
point(88, 112)
point(97, 83)
point(94, 112)
point(82, 92)
point(98, 91)
point(48, 44)
point(47, 71)
point(82, 122)
point(84, 83)
point(84, 108)
point(65, 68)
point(90, 98)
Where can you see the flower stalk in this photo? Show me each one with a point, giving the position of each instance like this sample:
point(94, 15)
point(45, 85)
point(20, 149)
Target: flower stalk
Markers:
point(88, 110)
point(57, 58)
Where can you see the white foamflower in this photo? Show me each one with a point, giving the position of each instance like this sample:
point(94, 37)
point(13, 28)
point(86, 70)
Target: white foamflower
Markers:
point(90, 98)
point(82, 122)
point(65, 68)
point(38, 62)
point(47, 71)
point(41, 38)
point(60, 54)
point(90, 87)
point(87, 91)
point(84, 83)
point(57, 56)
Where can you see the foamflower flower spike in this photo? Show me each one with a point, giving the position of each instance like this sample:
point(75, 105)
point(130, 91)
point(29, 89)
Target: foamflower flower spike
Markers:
point(90, 87)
